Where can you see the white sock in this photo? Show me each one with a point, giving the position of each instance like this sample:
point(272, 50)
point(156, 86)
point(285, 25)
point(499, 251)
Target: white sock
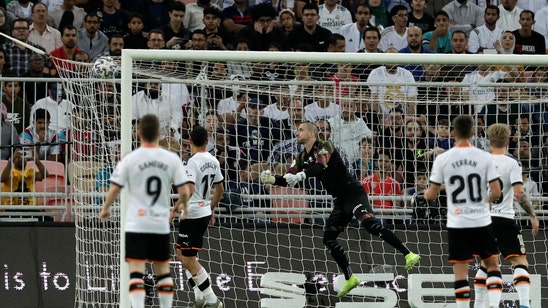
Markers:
point(480, 288)
point(137, 292)
point(202, 281)
point(165, 291)
point(494, 288)
point(522, 284)
point(198, 295)
point(462, 294)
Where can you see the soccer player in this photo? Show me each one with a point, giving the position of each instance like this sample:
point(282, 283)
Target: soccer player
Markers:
point(320, 159)
point(508, 235)
point(466, 171)
point(148, 172)
point(204, 173)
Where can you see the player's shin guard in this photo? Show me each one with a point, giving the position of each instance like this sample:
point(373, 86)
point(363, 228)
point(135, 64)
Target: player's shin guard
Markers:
point(202, 281)
point(165, 290)
point(480, 288)
point(462, 293)
point(373, 226)
point(337, 252)
point(494, 287)
point(522, 284)
point(137, 290)
point(198, 295)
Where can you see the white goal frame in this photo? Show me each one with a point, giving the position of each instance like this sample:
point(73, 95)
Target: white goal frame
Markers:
point(129, 56)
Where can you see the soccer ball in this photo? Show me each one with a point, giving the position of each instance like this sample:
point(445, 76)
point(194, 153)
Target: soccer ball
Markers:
point(105, 68)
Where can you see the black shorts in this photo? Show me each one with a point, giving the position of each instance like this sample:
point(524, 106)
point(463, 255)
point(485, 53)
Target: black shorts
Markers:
point(508, 237)
point(191, 235)
point(356, 205)
point(147, 247)
point(466, 243)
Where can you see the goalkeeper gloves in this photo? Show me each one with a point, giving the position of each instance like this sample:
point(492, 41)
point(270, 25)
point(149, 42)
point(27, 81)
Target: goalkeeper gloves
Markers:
point(293, 179)
point(267, 178)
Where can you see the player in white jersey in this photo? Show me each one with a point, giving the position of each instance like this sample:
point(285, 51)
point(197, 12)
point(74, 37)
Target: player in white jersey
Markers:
point(506, 232)
point(465, 171)
point(204, 173)
point(148, 172)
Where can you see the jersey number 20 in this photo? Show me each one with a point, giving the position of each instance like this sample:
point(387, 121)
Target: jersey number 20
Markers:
point(473, 182)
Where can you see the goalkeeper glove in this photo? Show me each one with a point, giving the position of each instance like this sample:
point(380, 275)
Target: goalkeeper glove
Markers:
point(267, 178)
point(293, 179)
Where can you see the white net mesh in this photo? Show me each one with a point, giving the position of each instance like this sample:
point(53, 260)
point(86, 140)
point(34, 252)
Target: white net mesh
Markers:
point(250, 110)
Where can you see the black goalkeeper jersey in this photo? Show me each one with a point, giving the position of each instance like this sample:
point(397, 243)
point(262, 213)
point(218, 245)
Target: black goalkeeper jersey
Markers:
point(335, 177)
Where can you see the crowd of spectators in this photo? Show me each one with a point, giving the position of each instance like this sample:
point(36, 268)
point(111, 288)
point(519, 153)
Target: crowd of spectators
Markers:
point(388, 135)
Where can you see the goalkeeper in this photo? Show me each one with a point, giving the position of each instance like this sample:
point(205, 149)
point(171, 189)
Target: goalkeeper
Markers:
point(320, 159)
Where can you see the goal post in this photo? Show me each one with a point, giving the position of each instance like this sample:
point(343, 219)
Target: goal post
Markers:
point(272, 255)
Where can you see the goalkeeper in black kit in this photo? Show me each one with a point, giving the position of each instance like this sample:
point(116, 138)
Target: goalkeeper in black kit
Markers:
point(320, 159)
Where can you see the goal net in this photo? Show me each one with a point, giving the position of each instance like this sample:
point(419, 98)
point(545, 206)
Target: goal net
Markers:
point(389, 115)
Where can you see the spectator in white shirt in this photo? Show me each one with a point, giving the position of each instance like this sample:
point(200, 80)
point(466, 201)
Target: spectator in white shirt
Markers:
point(395, 36)
point(485, 36)
point(40, 32)
point(354, 33)
point(463, 15)
point(59, 109)
point(333, 16)
point(324, 107)
point(401, 95)
point(347, 129)
point(509, 15)
point(167, 108)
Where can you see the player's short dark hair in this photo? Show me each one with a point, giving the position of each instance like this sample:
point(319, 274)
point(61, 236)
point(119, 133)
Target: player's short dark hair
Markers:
point(372, 29)
point(394, 11)
point(263, 10)
point(90, 15)
point(199, 31)
point(20, 20)
point(149, 126)
point(461, 32)
point(115, 35)
point(135, 15)
point(493, 7)
point(211, 10)
point(198, 136)
point(41, 114)
point(68, 27)
point(527, 12)
point(441, 13)
point(157, 31)
point(463, 126)
point(177, 6)
point(443, 122)
point(334, 38)
point(311, 6)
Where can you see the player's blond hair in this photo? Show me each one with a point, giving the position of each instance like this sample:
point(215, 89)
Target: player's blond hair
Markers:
point(499, 135)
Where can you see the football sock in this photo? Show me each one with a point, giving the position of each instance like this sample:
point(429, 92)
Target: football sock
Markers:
point(480, 288)
point(462, 294)
point(494, 287)
point(165, 290)
point(202, 281)
point(522, 284)
point(137, 290)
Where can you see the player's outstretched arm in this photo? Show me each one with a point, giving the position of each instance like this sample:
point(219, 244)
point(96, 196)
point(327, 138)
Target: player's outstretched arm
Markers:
point(113, 193)
point(525, 203)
